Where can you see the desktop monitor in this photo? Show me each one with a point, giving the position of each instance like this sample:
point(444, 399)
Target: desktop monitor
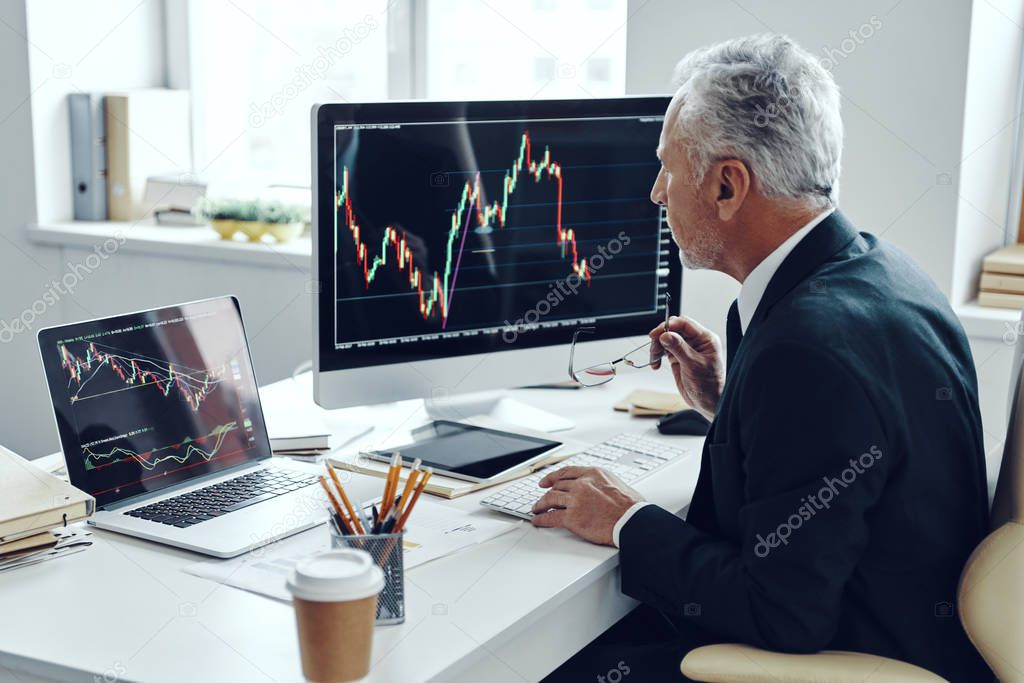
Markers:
point(459, 245)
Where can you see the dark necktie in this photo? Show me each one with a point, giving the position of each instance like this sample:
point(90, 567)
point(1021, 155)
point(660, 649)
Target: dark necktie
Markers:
point(733, 334)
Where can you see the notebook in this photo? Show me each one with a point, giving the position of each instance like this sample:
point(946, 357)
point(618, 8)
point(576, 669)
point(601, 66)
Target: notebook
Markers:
point(34, 501)
point(646, 403)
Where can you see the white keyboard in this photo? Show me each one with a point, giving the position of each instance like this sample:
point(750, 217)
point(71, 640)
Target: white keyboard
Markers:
point(630, 456)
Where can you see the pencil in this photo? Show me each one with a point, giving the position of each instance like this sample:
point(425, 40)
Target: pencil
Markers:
point(391, 483)
point(410, 482)
point(344, 499)
point(415, 496)
point(391, 517)
point(334, 502)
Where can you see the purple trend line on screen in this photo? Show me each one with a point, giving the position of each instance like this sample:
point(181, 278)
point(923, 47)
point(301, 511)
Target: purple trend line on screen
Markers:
point(455, 274)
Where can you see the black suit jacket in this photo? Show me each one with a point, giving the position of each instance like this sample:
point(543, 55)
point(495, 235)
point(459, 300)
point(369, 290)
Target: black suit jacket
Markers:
point(842, 483)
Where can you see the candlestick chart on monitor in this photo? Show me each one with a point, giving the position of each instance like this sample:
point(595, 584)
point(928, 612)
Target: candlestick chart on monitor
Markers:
point(465, 228)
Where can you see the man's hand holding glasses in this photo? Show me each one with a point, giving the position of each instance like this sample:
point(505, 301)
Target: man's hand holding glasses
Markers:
point(693, 352)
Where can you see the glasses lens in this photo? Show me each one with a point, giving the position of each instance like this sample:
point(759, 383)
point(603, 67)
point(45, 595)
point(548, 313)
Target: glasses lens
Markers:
point(595, 374)
point(639, 357)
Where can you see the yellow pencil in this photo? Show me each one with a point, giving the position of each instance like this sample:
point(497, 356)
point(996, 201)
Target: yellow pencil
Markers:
point(410, 482)
point(344, 499)
point(390, 484)
point(334, 502)
point(415, 496)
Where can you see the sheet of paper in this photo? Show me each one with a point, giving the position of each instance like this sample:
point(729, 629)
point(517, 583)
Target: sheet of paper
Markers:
point(70, 540)
point(435, 530)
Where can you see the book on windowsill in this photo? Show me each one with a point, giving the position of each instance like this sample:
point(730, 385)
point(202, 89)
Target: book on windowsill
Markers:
point(1001, 300)
point(1000, 282)
point(1008, 260)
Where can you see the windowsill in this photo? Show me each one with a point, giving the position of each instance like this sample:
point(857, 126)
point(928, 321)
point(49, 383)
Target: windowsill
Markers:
point(987, 323)
point(178, 241)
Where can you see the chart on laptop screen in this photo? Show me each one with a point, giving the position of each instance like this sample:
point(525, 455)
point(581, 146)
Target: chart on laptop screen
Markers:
point(154, 397)
point(468, 228)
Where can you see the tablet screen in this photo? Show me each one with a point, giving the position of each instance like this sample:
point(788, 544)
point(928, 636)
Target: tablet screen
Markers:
point(470, 452)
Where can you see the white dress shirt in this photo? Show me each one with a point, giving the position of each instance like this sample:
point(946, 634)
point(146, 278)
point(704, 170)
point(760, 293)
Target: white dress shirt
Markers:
point(751, 291)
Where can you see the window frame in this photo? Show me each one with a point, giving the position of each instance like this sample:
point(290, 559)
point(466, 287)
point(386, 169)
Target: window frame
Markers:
point(406, 40)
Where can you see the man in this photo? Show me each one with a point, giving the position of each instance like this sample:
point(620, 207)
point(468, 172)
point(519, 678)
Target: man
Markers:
point(842, 483)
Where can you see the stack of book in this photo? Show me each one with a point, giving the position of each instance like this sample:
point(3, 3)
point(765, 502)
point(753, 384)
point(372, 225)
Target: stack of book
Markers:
point(1002, 278)
point(35, 511)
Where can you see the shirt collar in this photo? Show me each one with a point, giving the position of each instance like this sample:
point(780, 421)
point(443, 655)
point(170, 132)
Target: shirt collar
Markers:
point(757, 282)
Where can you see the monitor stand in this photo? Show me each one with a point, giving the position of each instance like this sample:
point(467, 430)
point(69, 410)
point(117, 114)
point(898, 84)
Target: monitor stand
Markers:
point(499, 406)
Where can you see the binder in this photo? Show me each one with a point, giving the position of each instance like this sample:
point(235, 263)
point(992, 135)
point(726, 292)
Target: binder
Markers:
point(148, 134)
point(33, 501)
point(88, 156)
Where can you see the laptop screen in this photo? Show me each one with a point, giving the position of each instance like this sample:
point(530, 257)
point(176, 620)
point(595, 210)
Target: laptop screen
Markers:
point(150, 399)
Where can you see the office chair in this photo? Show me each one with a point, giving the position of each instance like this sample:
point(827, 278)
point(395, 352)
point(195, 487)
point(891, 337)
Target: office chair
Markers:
point(989, 599)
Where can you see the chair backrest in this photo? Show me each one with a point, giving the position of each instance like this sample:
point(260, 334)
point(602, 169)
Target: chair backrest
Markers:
point(1009, 494)
point(991, 595)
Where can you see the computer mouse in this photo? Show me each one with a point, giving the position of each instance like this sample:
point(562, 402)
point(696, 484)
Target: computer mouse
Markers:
point(688, 422)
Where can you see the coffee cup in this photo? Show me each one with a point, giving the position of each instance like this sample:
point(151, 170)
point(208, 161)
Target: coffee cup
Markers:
point(335, 599)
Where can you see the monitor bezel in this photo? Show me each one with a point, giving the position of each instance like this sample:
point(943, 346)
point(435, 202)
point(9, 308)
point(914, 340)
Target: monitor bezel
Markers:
point(327, 359)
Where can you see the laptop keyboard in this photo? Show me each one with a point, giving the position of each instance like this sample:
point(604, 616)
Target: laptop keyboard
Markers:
point(219, 499)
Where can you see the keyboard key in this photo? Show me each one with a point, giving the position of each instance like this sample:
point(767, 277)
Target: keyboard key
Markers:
point(249, 501)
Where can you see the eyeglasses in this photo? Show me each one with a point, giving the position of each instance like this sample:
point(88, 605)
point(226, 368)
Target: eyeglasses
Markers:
point(602, 373)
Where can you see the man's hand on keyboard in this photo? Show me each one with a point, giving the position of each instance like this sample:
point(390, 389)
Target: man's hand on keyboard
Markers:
point(587, 501)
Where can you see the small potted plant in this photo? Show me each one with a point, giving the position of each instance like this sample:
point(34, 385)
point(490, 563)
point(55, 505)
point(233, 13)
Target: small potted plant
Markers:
point(222, 214)
point(249, 220)
point(282, 221)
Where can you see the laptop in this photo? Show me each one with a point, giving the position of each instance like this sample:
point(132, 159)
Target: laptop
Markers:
point(160, 420)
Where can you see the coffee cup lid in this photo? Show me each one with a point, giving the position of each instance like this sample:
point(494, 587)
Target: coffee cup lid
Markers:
point(347, 574)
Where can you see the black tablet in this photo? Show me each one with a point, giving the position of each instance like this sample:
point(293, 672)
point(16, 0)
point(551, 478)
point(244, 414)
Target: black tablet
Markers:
point(468, 452)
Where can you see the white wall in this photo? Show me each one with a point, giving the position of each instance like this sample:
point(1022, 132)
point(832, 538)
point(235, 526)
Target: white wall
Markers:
point(929, 119)
point(25, 423)
point(989, 139)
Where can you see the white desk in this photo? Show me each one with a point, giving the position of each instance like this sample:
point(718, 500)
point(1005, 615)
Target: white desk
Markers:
point(511, 609)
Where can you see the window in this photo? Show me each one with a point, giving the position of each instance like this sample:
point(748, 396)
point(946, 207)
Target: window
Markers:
point(256, 68)
point(483, 49)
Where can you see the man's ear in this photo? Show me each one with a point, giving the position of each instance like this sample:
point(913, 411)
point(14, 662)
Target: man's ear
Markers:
point(732, 183)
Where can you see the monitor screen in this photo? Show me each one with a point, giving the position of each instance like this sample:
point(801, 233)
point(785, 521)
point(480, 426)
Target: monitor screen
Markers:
point(448, 229)
point(150, 399)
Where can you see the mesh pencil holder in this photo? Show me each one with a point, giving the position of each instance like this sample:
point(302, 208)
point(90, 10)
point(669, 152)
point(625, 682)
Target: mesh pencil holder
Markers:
point(386, 551)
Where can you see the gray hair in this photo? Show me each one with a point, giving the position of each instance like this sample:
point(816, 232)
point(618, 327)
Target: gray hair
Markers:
point(768, 102)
